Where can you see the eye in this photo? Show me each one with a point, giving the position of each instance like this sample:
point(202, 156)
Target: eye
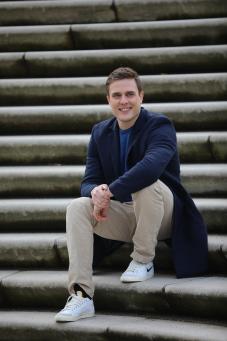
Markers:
point(116, 95)
point(130, 94)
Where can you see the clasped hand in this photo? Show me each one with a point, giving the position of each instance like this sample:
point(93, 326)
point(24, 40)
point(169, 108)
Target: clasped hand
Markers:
point(101, 199)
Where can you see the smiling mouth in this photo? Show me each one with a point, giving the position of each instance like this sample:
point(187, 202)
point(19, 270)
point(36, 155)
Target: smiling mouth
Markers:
point(124, 109)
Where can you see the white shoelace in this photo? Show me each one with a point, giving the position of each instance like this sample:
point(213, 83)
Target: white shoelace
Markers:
point(73, 301)
point(132, 267)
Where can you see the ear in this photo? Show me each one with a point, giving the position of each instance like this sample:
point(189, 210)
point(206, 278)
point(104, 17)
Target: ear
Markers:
point(108, 98)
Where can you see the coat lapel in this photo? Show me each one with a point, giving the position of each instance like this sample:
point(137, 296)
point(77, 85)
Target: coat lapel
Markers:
point(138, 126)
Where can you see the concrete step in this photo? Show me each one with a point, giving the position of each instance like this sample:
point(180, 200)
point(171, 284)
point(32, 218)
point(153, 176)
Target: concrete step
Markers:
point(36, 38)
point(156, 10)
point(194, 146)
point(31, 250)
point(205, 180)
point(17, 13)
point(170, 60)
point(40, 325)
point(61, 12)
point(48, 250)
point(203, 297)
point(113, 35)
point(72, 149)
point(43, 215)
point(91, 90)
point(41, 149)
point(48, 181)
point(150, 33)
point(194, 116)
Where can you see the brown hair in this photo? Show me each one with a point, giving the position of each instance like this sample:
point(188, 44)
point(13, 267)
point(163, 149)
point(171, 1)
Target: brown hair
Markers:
point(123, 73)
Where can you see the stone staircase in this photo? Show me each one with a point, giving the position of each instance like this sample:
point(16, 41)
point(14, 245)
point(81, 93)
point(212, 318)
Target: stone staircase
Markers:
point(54, 58)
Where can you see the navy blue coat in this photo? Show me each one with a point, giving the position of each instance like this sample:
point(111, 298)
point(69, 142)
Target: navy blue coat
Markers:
point(152, 155)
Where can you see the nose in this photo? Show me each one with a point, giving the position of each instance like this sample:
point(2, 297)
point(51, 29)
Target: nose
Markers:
point(123, 99)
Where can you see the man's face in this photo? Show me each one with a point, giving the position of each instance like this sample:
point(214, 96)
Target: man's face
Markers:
point(125, 101)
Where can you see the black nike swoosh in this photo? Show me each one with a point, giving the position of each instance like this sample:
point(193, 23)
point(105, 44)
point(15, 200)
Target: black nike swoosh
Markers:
point(150, 269)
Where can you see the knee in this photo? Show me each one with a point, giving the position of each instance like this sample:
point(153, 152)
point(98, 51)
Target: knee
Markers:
point(78, 205)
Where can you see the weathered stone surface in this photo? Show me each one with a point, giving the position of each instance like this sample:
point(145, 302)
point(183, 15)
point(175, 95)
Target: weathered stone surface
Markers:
point(12, 65)
point(33, 214)
point(163, 293)
point(88, 90)
point(29, 250)
point(52, 91)
point(197, 116)
point(56, 12)
point(218, 147)
point(205, 179)
point(214, 211)
point(44, 149)
point(156, 10)
point(194, 116)
point(37, 325)
point(194, 146)
point(202, 147)
point(4, 274)
point(67, 118)
point(224, 251)
point(35, 38)
point(41, 180)
point(188, 87)
point(217, 259)
point(145, 61)
point(212, 291)
point(100, 62)
point(33, 286)
point(150, 34)
point(59, 12)
point(113, 35)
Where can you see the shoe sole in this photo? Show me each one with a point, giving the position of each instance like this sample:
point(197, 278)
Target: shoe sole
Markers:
point(73, 319)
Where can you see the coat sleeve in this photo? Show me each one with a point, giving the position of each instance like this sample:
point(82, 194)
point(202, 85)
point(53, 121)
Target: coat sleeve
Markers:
point(93, 172)
point(161, 147)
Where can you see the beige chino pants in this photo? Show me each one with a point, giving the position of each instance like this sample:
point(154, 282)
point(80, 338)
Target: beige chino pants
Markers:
point(144, 221)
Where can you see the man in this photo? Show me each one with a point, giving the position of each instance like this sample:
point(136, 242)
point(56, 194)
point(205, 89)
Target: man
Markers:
point(131, 192)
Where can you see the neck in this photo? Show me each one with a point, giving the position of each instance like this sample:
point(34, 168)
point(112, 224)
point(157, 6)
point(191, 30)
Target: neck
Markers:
point(128, 124)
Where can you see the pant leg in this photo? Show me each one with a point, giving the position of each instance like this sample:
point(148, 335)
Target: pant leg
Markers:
point(80, 227)
point(79, 233)
point(153, 208)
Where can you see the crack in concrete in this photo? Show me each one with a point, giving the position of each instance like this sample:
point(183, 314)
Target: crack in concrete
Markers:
point(72, 37)
point(210, 148)
point(114, 8)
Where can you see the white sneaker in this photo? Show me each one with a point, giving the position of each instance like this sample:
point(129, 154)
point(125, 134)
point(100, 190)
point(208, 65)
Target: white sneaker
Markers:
point(138, 272)
point(77, 307)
